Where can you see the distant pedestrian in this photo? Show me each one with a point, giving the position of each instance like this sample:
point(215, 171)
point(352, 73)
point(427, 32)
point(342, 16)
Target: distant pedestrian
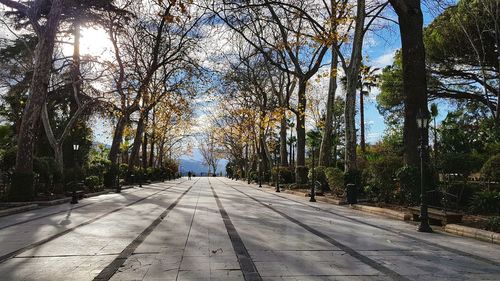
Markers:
point(189, 175)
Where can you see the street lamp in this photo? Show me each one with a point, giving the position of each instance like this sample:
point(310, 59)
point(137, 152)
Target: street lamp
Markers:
point(277, 169)
point(74, 199)
point(423, 124)
point(260, 172)
point(313, 191)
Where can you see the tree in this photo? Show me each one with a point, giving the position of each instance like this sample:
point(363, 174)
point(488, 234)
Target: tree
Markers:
point(410, 20)
point(462, 53)
point(22, 181)
point(210, 151)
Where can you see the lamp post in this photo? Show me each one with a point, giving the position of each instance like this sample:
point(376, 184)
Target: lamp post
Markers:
point(277, 169)
point(141, 174)
point(313, 191)
point(423, 124)
point(74, 199)
point(260, 171)
point(118, 187)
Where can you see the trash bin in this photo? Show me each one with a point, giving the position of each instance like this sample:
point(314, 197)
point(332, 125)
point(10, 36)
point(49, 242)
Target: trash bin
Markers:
point(352, 194)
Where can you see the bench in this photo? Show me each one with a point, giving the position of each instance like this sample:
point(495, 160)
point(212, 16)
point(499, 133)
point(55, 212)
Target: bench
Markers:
point(437, 216)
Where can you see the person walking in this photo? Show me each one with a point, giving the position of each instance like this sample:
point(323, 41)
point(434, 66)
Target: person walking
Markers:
point(189, 175)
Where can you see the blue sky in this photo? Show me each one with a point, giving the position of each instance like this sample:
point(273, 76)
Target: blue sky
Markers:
point(379, 48)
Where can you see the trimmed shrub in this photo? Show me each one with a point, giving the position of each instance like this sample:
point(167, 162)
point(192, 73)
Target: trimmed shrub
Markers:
point(493, 224)
point(301, 174)
point(485, 202)
point(459, 163)
point(286, 174)
point(409, 184)
point(93, 182)
point(381, 176)
point(319, 175)
point(491, 169)
point(335, 179)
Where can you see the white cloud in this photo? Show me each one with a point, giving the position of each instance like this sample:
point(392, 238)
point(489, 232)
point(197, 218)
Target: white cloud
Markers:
point(385, 59)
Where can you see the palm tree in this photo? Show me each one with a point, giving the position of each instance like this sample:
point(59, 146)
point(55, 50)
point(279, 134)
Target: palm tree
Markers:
point(368, 80)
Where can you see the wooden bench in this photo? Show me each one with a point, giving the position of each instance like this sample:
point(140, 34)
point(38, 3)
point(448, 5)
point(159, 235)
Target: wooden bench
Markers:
point(437, 216)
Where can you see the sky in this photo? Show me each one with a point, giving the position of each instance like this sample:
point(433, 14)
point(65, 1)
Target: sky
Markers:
point(379, 49)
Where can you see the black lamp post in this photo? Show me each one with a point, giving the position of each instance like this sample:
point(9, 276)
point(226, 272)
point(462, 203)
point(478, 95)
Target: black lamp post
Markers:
point(260, 172)
point(118, 187)
point(74, 198)
point(277, 169)
point(313, 191)
point(423, 124)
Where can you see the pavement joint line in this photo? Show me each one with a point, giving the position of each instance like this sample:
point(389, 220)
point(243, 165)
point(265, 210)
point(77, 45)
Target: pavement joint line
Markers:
point(452, 250)
point(247, 266)
point(113, 267)
point(57, 235)
point(355, 254)
point(65, 256)
point(189, 232)
point(72, 208)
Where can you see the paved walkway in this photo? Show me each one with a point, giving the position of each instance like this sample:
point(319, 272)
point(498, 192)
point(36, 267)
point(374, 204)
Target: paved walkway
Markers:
point(218, 229)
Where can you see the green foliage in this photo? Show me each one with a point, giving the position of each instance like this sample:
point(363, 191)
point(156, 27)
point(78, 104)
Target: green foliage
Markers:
point(485, 202)
point(93, 182)
point(287, 174)
point(8, 159)
point(48, 172)
point(493, 224)
point(390, 99)
point(380, 178)
point(301, 174)
point(409, 183)
point(462, 164)
point(319, 175)
point(491, 169)
point(21, 187)
point(253, 175)
point(335, 179)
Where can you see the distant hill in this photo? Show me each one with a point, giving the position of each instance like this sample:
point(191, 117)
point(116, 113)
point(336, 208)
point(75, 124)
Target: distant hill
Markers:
point(198, 168)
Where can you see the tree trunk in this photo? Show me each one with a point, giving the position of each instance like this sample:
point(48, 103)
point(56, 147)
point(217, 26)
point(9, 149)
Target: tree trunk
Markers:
point(134, 153)
point(362, 122)
point(283, 152)
point(414, 80)
point(352, 82)
point(300, 167)
point(326, 140)
point(22, 181)
point(152, 141)
point(117, 139)
point(145, 151)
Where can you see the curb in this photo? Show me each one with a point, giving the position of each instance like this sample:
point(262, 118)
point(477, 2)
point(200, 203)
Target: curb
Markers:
point(324, 199)
point(475, 233)
point(53, 202)
point(16, 210)
point(87, 195)
point(383, 212)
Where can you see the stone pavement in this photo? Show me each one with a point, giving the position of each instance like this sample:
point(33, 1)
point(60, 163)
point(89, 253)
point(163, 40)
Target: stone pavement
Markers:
point(218, 229)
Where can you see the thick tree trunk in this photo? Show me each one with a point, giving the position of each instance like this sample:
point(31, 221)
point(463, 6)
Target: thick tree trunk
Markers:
point(414, 79)
point(352, 83)
point(326, 141)
point(117, 139)
point(134, 153)
point(145, 151)
point(300, 167)
point(22, 181)
point(362, 122)
point(283, 152)
point(152, 142)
